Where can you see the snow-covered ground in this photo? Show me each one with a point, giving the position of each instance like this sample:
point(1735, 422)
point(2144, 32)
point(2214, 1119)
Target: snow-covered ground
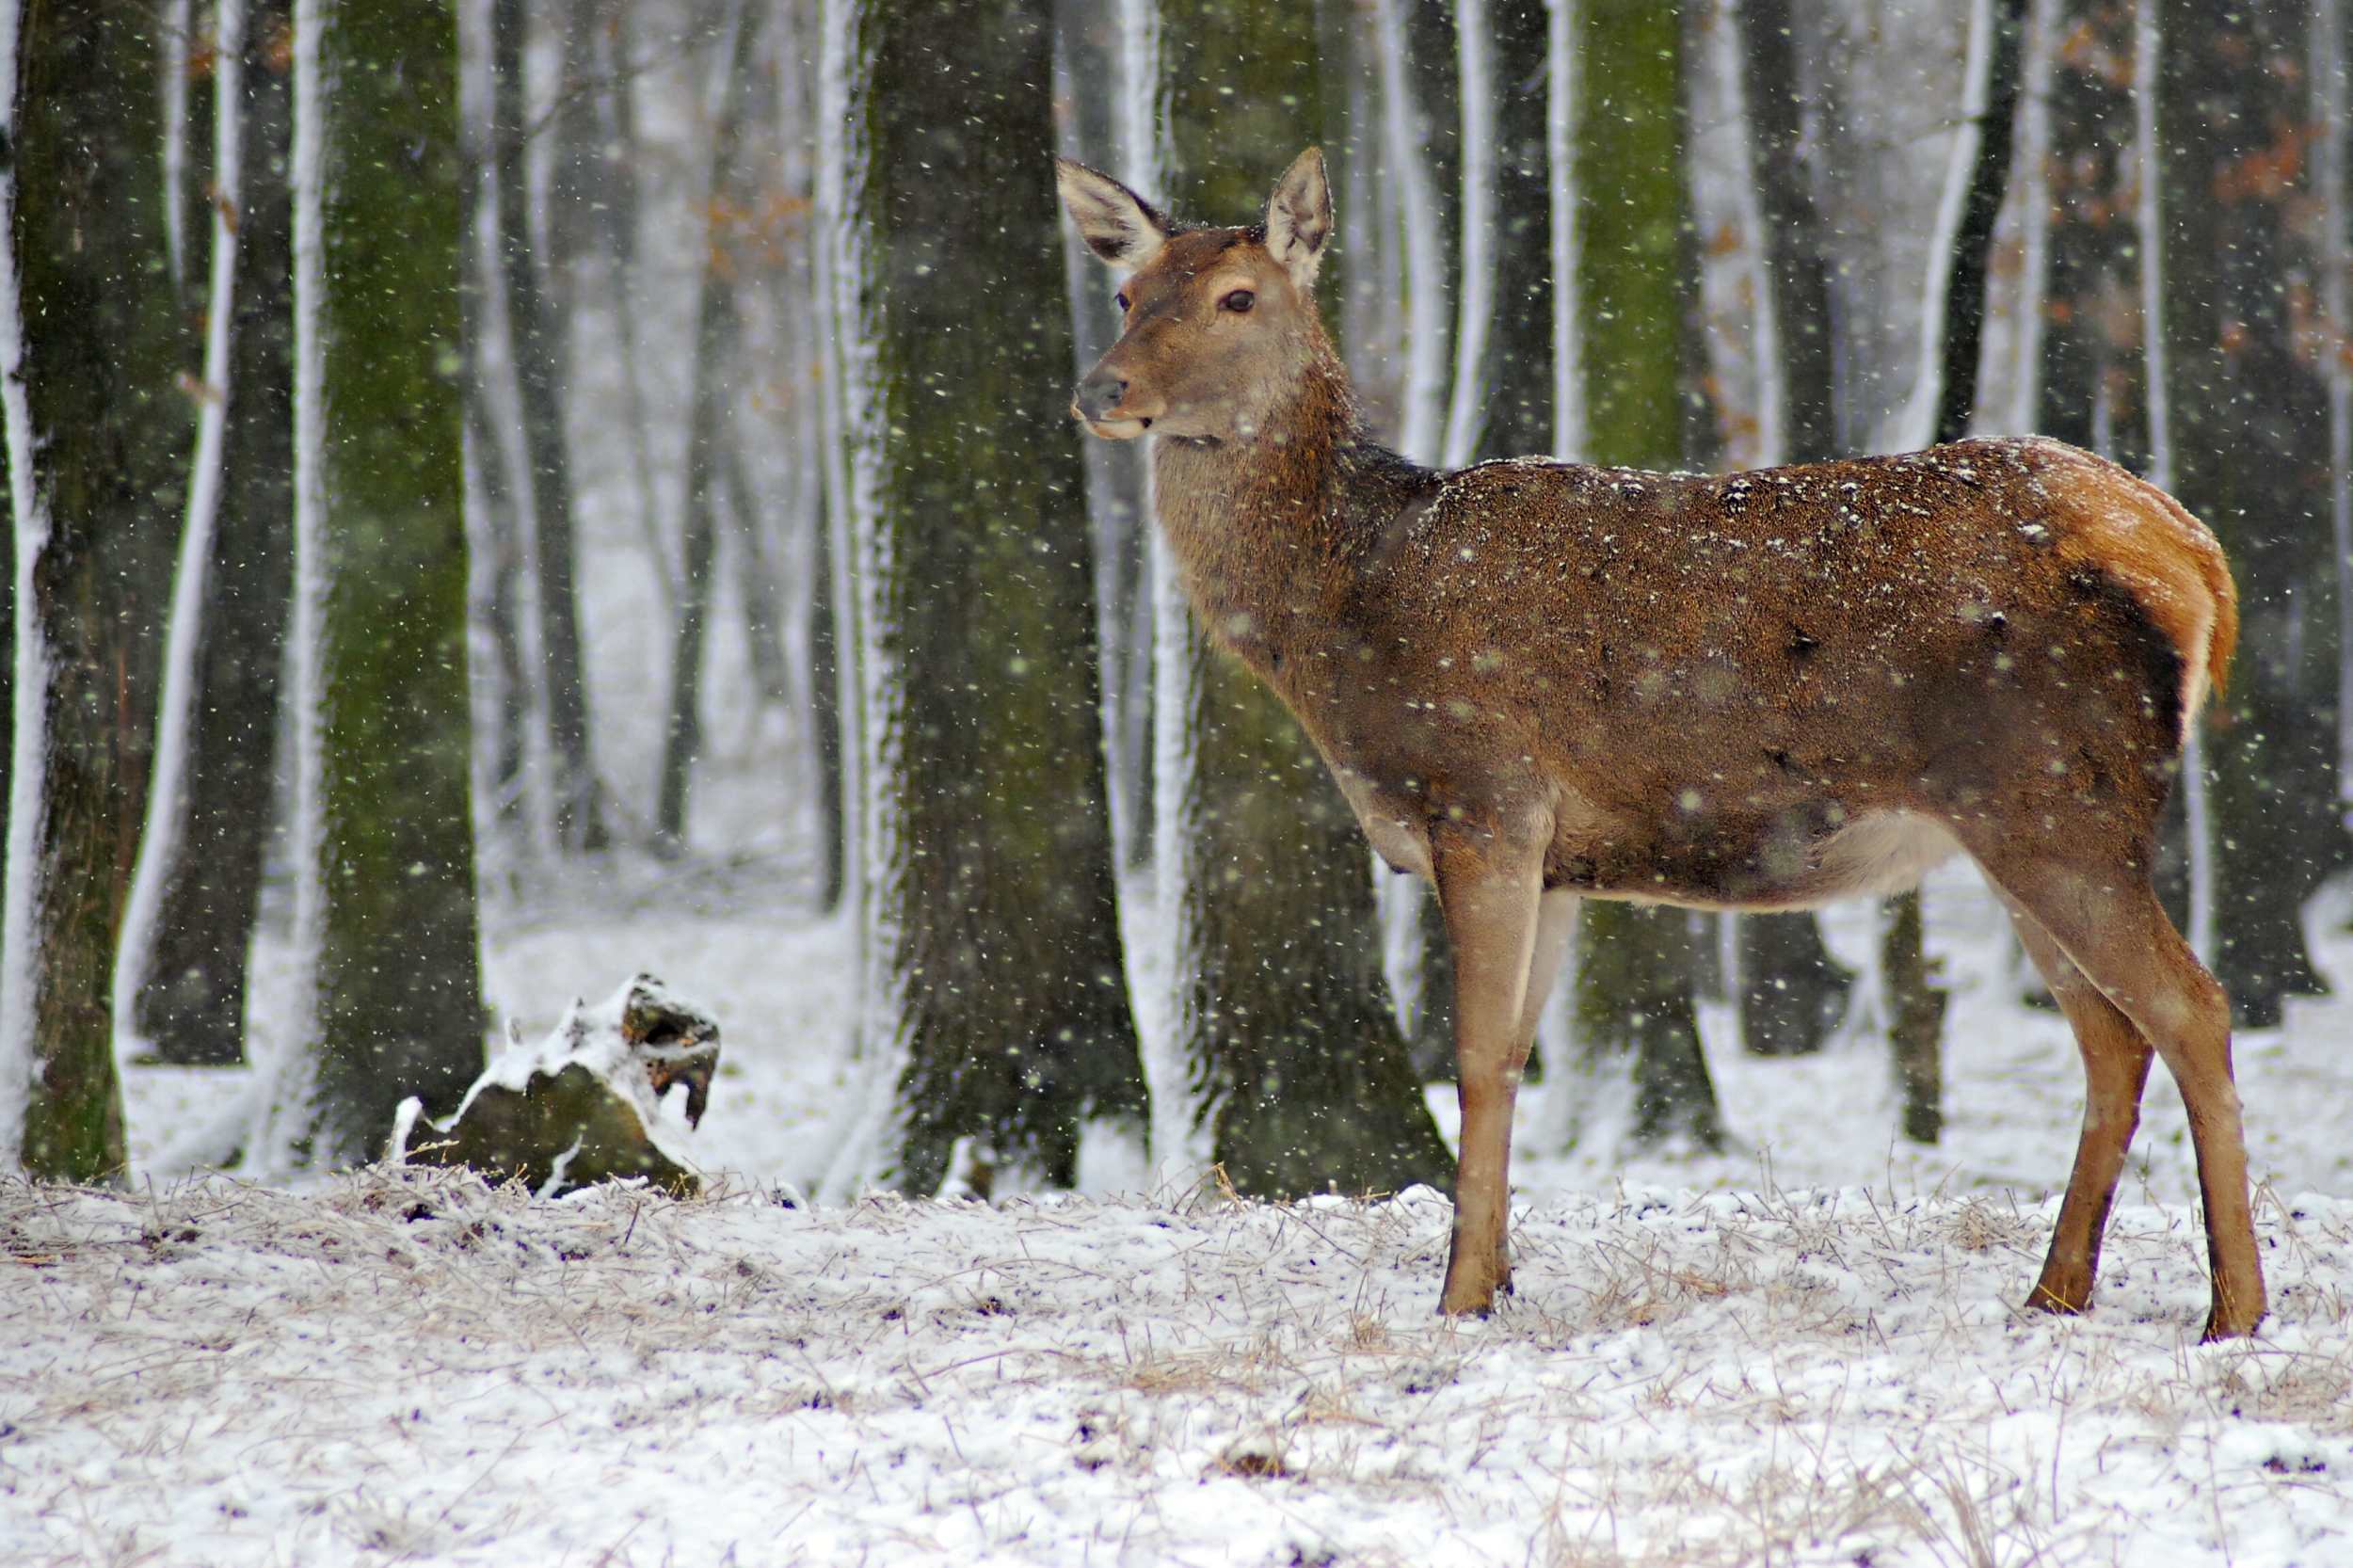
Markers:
point(1801, 1352)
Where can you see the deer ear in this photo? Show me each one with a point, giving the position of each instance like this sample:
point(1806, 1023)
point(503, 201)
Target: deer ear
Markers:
point(1299, 217)
point(1119, 226)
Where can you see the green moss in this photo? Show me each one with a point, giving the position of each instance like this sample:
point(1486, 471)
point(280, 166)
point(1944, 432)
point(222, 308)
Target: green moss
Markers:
point(399, 992)
point(1287, 1026)
point(104, 344)
point(1014, 1008)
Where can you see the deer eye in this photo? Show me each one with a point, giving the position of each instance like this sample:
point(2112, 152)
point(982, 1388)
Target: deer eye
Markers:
point(1121, 300)
point(1238, 301)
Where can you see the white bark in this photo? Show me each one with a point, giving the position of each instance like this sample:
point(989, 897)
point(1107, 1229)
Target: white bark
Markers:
point(872, 686)
point(29, 513)
point(1178, 1136)
point(1565, 74)
point(1928, 387)
point(283, 1115)
point(1402, 137)
point(171, 63)
point(167, 792)
point(2034, 209)
point(1466, 415)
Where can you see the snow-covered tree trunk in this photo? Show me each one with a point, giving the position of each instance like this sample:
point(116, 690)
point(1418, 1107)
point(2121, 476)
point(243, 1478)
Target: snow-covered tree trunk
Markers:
point(1634, 273)
point(182, 974)
point(997, 1008)
point(1291, 1052)
point(387, 982)
point(92, 339)
point(535, 341)
point(718, 325)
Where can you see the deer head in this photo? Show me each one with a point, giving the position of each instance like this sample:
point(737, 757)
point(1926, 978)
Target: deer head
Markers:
point(1219, 324)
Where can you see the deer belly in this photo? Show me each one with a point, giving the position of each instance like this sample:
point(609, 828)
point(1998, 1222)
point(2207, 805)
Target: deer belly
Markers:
point(1791, 862)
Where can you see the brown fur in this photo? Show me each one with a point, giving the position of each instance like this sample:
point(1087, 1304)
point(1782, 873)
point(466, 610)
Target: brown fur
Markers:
point(1535, 678)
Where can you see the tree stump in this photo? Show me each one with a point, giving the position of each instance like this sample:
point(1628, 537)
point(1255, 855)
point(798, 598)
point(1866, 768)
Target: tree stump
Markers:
point(584, 1105)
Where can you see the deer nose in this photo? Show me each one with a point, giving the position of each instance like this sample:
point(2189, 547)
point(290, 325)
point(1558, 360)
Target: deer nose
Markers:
point(1099, 395)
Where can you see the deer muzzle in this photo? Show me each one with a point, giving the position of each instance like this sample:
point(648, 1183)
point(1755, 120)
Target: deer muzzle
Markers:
point(1100, 401)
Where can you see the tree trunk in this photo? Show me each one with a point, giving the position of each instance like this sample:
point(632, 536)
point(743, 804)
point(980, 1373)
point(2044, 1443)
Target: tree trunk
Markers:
point(190, 1002)
point(1793, 994)
point(538, 346)
point(999, 1005)
point(1635, 279)
point(385, 907)
point(716, 328)
point(1915, 1001)
point(98, 437)
point(1286, 1031)
point(2250, 454)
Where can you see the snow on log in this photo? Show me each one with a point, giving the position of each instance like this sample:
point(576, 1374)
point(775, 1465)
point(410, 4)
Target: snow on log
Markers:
point(586, 1104)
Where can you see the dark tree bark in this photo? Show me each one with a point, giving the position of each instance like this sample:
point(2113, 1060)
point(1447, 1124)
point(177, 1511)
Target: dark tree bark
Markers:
point(2090, 378)
point(1005, 995)
point(2250, 457)
point(104, 342)
point(1793, 992)
point(537, 342)
point(191, 1001)
point(1286, 1021)
point(1915, 1001)
point(395, 991)
point(1634, 290)
point(825, 706)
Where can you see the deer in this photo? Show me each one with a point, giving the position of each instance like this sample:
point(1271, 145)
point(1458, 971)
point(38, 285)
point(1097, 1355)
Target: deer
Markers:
point(1537, 682)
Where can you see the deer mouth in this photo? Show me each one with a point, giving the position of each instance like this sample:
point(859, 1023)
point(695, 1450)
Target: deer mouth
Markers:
point(1116, 427)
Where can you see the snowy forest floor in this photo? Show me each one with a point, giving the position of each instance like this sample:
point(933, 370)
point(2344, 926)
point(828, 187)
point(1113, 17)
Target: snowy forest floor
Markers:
point(1804, 1351)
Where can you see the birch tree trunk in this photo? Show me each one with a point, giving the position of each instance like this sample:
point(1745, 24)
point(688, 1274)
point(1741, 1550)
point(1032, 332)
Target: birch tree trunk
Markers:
point(98, 437)
point(189, 1001)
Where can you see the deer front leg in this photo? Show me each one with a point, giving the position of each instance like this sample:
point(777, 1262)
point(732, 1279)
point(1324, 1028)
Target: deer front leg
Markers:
point(1488, 890)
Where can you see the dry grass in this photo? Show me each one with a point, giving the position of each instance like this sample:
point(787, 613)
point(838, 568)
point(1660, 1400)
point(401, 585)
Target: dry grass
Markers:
point(411, 1367)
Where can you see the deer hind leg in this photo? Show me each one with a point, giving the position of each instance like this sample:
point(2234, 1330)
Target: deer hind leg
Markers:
point(1489, 893)
point(2105, 918)
point(2116, 1071)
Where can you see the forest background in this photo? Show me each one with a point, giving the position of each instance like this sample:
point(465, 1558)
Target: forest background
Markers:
point(593, 451)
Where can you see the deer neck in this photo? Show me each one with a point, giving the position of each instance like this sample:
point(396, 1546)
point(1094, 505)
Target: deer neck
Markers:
point(1271, 534)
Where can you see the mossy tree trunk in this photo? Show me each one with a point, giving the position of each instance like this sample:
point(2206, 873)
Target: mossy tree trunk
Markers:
point(99, 433)
point(1004, 993)
point(1636, 281)
point(191, 1001)
point(388, 904)
point(1286, 1027)
point(2250, 457)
